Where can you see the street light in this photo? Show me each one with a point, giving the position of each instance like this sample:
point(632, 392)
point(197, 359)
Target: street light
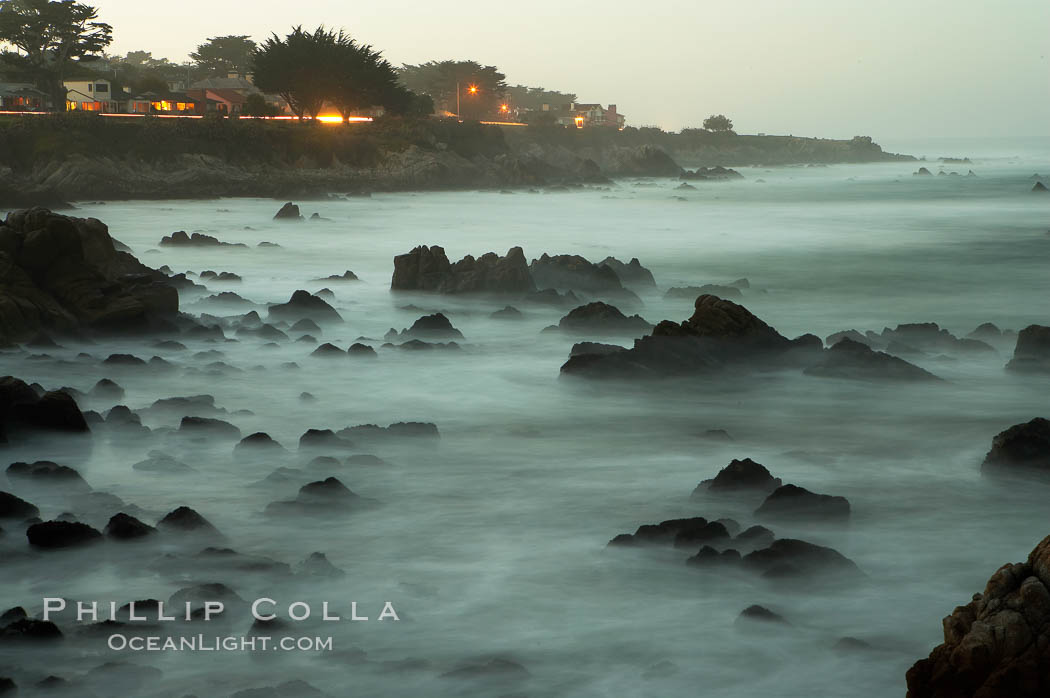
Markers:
point(472, 89)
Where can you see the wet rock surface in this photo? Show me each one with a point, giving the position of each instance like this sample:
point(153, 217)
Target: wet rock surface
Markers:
point(998, 643)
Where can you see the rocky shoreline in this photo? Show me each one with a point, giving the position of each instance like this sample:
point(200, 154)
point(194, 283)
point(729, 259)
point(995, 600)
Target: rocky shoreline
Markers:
point(92, 161)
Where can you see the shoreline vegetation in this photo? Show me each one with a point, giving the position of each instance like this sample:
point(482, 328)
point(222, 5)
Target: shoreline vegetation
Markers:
point(54, 159)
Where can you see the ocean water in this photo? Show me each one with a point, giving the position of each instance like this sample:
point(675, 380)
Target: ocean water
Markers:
point(491, 542)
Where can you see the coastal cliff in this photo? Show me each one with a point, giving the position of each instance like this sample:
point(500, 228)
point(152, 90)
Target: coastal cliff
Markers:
point(48, 160)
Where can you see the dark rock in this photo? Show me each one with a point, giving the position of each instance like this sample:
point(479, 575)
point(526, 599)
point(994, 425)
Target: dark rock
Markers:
point(718, 335)
point(435, 326)
point(358, 350)
point(632, 274)
point(61, 534)
point(45, 471)
point(288, 212)
point(304, 305)
point(106, 389)
point(123, 360)
point(420, 345)
point(1039, 188)
point(428, 269)
point(1021, 449)
point(318, 497)
point(12, 507)
point(602, 318)
point(124, 527)
point(180, 239)
point(576, 273)
point(323, 439)
point(345, 276)
point(59, 273)
point(209, 426)
point(666, 532)
point(851, 645)
point(1032, 352)
point(755, 537)
point(596, 348)
point(928, 336)
point(997, 644)
point(159, 462)
point(30, 629)
point(317, 565)
point(856, 361)
point(709, 557)
point(761, 614)
point(711, 173)
point(740, 475)
point(923, 172)
point(507, 313)
point(306, 325)
point(791, 501)
point(328, 351)
point(692, 536)
point(789, 557)
point(986, 331)
point(550, 296)
point(186, 519)
point(259, 442)
point(371, 433)
point(11, 615)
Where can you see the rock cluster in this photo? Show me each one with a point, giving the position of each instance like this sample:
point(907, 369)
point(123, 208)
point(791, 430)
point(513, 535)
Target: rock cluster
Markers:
point(62, 273)
point(428, 269)
point(999, 643)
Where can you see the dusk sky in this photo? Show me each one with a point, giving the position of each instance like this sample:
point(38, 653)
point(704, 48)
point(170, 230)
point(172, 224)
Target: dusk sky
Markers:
point(834, 68)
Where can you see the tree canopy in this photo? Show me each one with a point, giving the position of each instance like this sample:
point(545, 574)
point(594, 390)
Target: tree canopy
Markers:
point(221, 55)
point(440, 79)
point(535, 97)
point(718, 122)
point(49, 38)
point(309, 69)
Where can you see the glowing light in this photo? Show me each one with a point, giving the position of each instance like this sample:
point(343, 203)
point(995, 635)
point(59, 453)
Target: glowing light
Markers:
point(579, 122)
point(504, 108)
point(473, 89)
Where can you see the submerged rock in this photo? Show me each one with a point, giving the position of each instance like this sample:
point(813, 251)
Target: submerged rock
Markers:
point(45, 471)
point(720, 334)
point(12, 507)
point(186, 519)
point(856, 361)
point(125, 527)
point(576, 273)
point(602, 318)
point(740, 475)
point(435, 326)
point(789, 557)
point(61, 534)
point(507, 313)
point(760, 614)
point(998, 643)
point(180, 239)
point(1021, 449)
point(631, 274)
point(794, 502)
point(304, 305)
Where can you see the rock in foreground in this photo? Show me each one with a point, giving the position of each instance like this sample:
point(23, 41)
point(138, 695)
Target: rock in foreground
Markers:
point(63, 273)
point(999, 643)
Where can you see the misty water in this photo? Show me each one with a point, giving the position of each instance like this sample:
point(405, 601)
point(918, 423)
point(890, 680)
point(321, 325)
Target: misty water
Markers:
point(491, 542)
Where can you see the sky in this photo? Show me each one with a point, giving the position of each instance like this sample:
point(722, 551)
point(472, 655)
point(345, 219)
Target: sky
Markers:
point(828, 68)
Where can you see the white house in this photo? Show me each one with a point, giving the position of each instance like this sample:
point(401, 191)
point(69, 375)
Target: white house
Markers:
point(90, 95)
